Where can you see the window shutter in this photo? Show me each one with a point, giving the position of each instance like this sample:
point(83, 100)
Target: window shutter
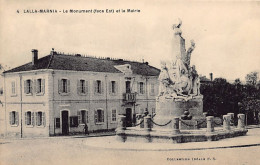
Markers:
point(144, 87)
point(68, 86)
point(86, 116)
point(95, 86)
point(10, 118)
point(16, 118)
point(32, 118)
point(102, 116)
point(59, 86)
point(25, 118)
point(86, 86)
point(95, 116)
point(25, 87)
point(116, 87)
point(110, 87)
point(43, 119)
point(43, 86)
point(37, 120)
point(137, 87)
point(102, 87)
point(79, 117)
point(78, 87)
point(35, 86)
point(31, 87)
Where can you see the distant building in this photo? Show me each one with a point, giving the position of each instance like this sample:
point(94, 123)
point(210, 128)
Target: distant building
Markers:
point(58, 94)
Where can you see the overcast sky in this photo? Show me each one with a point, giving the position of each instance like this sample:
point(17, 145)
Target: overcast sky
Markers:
point(227, 34)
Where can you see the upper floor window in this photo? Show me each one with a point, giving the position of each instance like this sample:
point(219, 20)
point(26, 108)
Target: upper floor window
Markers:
point(28, 86)
point(29, 118)
point(40, 85)
point(13, 118)
point(13, 91)
point(113, 87)
point(40, 118)
point(83, 117)
point(99, 116)
point(82, 86)
point(141, 88)
point(99, 87)
point(113, 118)
point(64, 86)
point(152, 89)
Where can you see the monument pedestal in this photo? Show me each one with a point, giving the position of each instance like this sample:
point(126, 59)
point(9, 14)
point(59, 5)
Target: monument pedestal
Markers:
point(167, 109)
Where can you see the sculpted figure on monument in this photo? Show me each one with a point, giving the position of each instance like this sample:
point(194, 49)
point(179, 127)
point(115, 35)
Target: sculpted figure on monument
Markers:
point(188, 54)
point(179, 80)
point(164, 80)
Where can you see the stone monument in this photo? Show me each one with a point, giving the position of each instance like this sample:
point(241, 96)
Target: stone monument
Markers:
point(179, 103)
point(179, 88)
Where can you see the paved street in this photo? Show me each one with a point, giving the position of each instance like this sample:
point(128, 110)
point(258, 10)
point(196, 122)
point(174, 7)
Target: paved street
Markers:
point(104, 150)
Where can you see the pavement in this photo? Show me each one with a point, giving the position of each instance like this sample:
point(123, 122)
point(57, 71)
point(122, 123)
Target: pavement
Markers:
point(102, 148)
point(252, 138)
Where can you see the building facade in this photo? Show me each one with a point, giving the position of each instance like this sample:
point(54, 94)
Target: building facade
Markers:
point(59, 94)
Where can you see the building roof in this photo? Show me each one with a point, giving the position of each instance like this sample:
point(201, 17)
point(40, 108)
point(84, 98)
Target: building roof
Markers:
point(81, 63)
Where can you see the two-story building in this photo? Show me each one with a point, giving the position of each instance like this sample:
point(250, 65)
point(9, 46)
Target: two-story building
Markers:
point(58, 94)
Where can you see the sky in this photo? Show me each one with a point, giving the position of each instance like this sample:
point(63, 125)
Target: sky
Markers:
point(227, 34)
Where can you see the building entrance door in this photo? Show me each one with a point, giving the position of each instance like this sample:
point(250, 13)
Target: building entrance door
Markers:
point(65, 122)
point(128, 117)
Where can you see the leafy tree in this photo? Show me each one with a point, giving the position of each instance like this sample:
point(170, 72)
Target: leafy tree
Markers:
point(251, 78)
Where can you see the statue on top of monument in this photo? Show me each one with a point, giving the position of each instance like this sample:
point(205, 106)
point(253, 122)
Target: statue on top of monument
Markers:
point(179, 80)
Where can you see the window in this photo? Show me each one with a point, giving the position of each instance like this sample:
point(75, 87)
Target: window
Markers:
point(74, 121)
point(82, 86)
point(99, 116)
point(40, 118)
point(57, 122)
point(113, 87)
point(113, 115)
point(40, 84)
point(141, 88)
point(28, 86)
point(13, 118)
point(29, 118)
point(82, 117)
point(98, 87)
point(64, 86)
point(152, 89)
point(13, 88)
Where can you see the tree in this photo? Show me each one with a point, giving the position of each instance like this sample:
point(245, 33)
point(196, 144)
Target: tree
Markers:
point(251, 78)
point(237, 82)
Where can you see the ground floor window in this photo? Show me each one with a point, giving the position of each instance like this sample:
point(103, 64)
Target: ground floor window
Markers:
point(99, 116)
point(29, 118)
point(57, 122)
point(40, 118)
point(113, 115)
point(82, 117)
point(13, 118)
point(74, 121)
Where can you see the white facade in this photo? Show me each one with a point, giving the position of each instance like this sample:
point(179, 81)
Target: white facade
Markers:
point(51, 102)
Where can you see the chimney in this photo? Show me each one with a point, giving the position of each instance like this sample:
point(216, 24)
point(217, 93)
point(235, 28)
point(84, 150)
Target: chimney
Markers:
point(211, 76)
point(34, 56)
